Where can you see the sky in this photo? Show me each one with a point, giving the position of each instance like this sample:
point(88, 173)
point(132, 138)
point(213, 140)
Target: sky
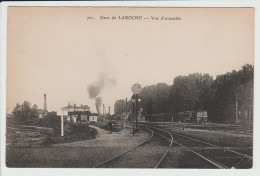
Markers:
point(58, 51)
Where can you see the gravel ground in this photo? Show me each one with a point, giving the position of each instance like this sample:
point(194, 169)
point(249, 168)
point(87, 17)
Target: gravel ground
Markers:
point(219, 138)
point(80, 154)
point(180, 158)
point(123, 138)
point(145, 156)
point(89, 153)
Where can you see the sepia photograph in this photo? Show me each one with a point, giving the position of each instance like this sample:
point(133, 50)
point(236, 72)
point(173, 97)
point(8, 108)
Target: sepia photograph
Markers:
point(130, 87)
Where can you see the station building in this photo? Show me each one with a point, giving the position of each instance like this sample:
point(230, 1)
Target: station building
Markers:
point(244, 103)
point(76, 113)
point(93, 118)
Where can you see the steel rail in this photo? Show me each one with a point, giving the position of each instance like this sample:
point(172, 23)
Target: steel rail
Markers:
point(215, 163)
point(117, 156)
point(241, 154)
point(167, 151)
point(237, 128)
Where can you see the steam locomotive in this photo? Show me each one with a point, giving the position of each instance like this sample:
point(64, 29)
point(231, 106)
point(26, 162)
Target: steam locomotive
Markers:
point(189, 116)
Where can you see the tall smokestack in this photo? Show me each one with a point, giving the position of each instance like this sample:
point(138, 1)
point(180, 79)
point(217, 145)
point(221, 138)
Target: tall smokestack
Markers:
point(45, 103)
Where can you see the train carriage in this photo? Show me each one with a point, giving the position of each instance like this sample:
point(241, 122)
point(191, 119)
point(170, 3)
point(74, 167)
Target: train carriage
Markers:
point(189, 116)
point(202, 116)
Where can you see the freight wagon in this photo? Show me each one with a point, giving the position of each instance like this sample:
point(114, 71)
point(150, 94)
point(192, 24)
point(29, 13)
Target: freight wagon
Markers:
point(159, 118)
point(193, 117)
point(189, 116)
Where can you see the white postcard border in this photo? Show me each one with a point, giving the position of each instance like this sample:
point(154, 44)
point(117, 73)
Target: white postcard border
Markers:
point(152, 172)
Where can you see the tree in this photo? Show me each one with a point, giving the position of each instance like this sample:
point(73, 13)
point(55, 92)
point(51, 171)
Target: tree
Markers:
point(223, 93)
point(155, 99)
point(190, 92)
point(195, 92)
point(119, 107)
point(51, 120)
point(24, 113)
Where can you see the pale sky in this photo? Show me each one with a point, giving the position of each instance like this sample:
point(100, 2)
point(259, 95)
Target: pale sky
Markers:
point(57, 51)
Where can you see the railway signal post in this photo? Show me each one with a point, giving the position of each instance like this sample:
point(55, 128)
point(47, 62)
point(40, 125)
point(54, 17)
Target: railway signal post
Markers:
point(136, 89)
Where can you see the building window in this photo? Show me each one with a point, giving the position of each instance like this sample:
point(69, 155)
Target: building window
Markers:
point(251, 112)
point(246, 114)
point(242, 112)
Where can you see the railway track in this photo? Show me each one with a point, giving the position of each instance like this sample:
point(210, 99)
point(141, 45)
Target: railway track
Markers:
point(215, 155)
point(166, 162)
point(229, 129)
point(177, 151)
point(155, 143)
point(110, 160)
point(211, 144)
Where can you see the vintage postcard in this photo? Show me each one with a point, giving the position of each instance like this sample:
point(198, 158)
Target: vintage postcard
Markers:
point(130, 87)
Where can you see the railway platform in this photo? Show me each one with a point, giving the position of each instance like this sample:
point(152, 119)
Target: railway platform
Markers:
point(123, 138)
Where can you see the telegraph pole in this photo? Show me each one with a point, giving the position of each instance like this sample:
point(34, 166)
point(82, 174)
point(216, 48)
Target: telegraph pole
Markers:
point(122, 107)
point(236, 108)
point(244, 97)
point(62, 125)
point(244, 81)
point(126, 112)
point(110, 122)
point(133, 118)
point(172, 112)
point(136, 110)
point(103, 110)
point(109, 113)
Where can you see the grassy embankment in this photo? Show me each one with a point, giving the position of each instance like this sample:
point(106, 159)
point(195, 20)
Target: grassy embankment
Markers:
point(46, 131)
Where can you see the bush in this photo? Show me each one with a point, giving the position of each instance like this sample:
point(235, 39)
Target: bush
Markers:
point(72, 132)
point(50, 121)
point(104, 125)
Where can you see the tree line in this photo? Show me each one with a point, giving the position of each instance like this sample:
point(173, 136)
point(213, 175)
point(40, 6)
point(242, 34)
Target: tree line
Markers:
point(194, 92)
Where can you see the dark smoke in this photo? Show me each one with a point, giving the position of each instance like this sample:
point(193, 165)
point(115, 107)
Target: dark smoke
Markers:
point(98, 104)
point(95, 89)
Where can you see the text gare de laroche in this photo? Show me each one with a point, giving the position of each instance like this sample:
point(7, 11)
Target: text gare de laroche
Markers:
point(139, 18)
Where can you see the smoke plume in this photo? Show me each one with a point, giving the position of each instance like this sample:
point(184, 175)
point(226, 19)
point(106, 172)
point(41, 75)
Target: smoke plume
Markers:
point(98, 103)
point(95, 89)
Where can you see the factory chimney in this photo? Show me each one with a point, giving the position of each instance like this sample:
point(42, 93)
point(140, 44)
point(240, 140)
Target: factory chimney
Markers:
point(45, 103)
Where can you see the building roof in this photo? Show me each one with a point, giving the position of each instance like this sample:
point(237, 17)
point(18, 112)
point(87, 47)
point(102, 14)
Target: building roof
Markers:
point(67, 107)
point(85, 106)
point(74, 106)
point(79, 113)
point(41, 111)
